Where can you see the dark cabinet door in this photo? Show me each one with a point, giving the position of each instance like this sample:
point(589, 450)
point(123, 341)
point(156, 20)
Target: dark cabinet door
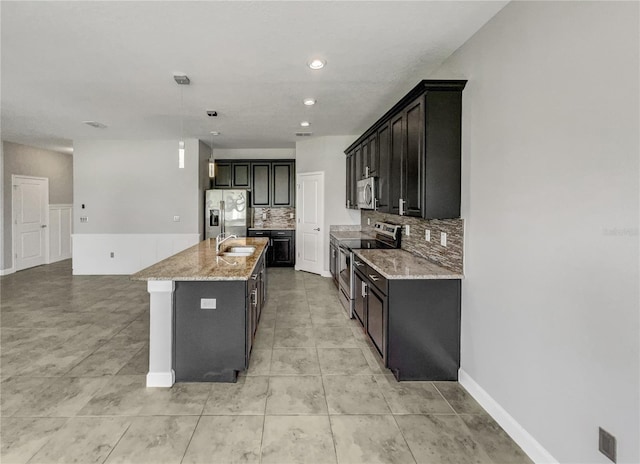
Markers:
point(382, 168)
point(373, 156)
point(349, 180)
point(261, 184)
point(332, 261)
point(223, 176)
point(359, 160)
point(377, 320)
point(413, 159)
point(281, 251)
point(396, 156)
point(283, 185)
point(241, 175)
point(360, 301)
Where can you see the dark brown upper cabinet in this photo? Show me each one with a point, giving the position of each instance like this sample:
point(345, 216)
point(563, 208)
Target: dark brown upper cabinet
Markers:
point(283, 175)
point(261, 184)
point(223, 175)
point(241, 175)
point(271, 182)
point(414, 152)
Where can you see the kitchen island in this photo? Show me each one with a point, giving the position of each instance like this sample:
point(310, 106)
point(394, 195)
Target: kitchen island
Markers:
point(204, 310)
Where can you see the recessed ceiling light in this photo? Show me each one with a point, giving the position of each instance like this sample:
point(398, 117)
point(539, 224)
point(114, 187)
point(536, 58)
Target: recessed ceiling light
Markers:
point(309, 101)
point(305, 123)
point(215, 133)
point(317, 63)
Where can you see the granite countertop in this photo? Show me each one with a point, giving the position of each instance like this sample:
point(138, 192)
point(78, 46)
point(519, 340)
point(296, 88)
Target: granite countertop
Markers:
point(272, 228)
point(400, 264)
point(200, 262)
point(349, 235)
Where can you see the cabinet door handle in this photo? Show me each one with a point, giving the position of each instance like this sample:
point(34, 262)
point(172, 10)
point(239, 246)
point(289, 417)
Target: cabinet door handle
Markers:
point(357, 263)
point(254, 276)
point(317, 229)
point(364, 290)
point(366, 173)
point(401, 203)
point(373, 277)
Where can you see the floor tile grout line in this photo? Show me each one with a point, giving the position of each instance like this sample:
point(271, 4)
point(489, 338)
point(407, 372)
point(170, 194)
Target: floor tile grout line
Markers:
point(191, 438)
point(445, 399)
point(118, 442)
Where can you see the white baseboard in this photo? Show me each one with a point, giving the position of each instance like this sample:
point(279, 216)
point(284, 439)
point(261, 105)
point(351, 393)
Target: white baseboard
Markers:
point(131, 252)
point(326, 274)
point(161, 379)
point(536, 452)
point(4, 272)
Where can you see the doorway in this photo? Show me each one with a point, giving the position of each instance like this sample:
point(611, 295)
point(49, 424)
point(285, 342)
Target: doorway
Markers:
point(310, 230)
point(29, 218)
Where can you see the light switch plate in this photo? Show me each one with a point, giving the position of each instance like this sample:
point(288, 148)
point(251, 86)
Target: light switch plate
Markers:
point(427, 235)
point(176, 218)
point(84, 219)
point(264, 216)
point(443, 239)
point(290, 215)
point(207, 303)
point(407, 230)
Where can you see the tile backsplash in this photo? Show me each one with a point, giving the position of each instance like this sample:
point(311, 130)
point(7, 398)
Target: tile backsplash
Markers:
point(275, 217)
point(450, 256)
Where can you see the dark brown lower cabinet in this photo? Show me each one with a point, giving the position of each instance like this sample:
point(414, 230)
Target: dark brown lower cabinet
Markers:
point(282, 246)
point(414, 324)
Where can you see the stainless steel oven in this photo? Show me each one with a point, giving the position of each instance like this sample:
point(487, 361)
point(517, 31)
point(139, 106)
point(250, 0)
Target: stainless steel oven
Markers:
point(387, 236)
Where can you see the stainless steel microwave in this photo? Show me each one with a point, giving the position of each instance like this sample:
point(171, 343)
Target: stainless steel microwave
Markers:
point(367, 193)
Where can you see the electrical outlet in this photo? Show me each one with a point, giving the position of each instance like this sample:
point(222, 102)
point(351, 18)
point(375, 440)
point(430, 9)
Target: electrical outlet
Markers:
point(407, 230)
point(112, 254)
point(427, 235)
point(207, 303)
point(290, 215)
point(443, 239)
point(176, 218)
point(264, 216)
point(368, 221)
point(607, 444)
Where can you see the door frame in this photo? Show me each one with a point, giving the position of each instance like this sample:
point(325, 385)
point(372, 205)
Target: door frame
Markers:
point(323, 273)
point(15, 177)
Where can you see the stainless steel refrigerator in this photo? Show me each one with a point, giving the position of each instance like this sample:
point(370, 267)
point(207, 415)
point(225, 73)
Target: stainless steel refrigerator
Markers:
point(227, 211)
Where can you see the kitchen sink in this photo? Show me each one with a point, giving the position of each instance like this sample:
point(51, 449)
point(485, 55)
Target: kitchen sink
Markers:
point(241, 249)
point(236, 253)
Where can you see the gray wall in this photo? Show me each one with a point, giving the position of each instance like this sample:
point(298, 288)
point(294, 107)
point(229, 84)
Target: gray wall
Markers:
point(327, 154)
point(31, 161)
point(136, 187)
point(550, 202)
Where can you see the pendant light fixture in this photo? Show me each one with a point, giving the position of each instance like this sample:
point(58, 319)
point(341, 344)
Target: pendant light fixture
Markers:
point(212, 161)
point(181, 80)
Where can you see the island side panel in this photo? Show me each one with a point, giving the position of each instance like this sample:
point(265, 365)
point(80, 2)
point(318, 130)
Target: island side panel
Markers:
point(161, 372)
point(210, 344)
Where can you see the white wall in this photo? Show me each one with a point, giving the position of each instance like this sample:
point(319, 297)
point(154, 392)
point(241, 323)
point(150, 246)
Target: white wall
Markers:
point(254, 153)
point(326, 154)
point(132, 189)
point(550, 199)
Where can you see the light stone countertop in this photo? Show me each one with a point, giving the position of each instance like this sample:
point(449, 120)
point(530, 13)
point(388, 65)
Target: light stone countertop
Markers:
point(349, 235)
point(400, 264)
point(272, 228)
point(200, 262)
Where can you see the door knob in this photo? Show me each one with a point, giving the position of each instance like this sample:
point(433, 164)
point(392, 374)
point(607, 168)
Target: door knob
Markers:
point(317, 229)
point(44, 225)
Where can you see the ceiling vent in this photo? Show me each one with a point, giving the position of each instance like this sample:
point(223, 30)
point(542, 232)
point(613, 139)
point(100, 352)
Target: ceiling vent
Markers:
point(212, 113)
point(96, 124)
point(303, 134)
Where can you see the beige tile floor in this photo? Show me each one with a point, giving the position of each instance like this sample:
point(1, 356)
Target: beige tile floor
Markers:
point(74, 355)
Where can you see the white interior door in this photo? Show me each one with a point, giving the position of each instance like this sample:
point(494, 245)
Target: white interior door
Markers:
point(30, 217)
point(310, 231)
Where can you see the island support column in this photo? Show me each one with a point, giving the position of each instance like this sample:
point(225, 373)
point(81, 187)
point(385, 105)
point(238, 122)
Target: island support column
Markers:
point(161, 372)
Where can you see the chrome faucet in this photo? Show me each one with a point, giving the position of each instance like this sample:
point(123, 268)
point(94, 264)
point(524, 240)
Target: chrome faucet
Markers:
point(224, 239)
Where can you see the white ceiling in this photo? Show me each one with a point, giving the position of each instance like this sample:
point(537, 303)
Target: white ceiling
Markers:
point(113, 62)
